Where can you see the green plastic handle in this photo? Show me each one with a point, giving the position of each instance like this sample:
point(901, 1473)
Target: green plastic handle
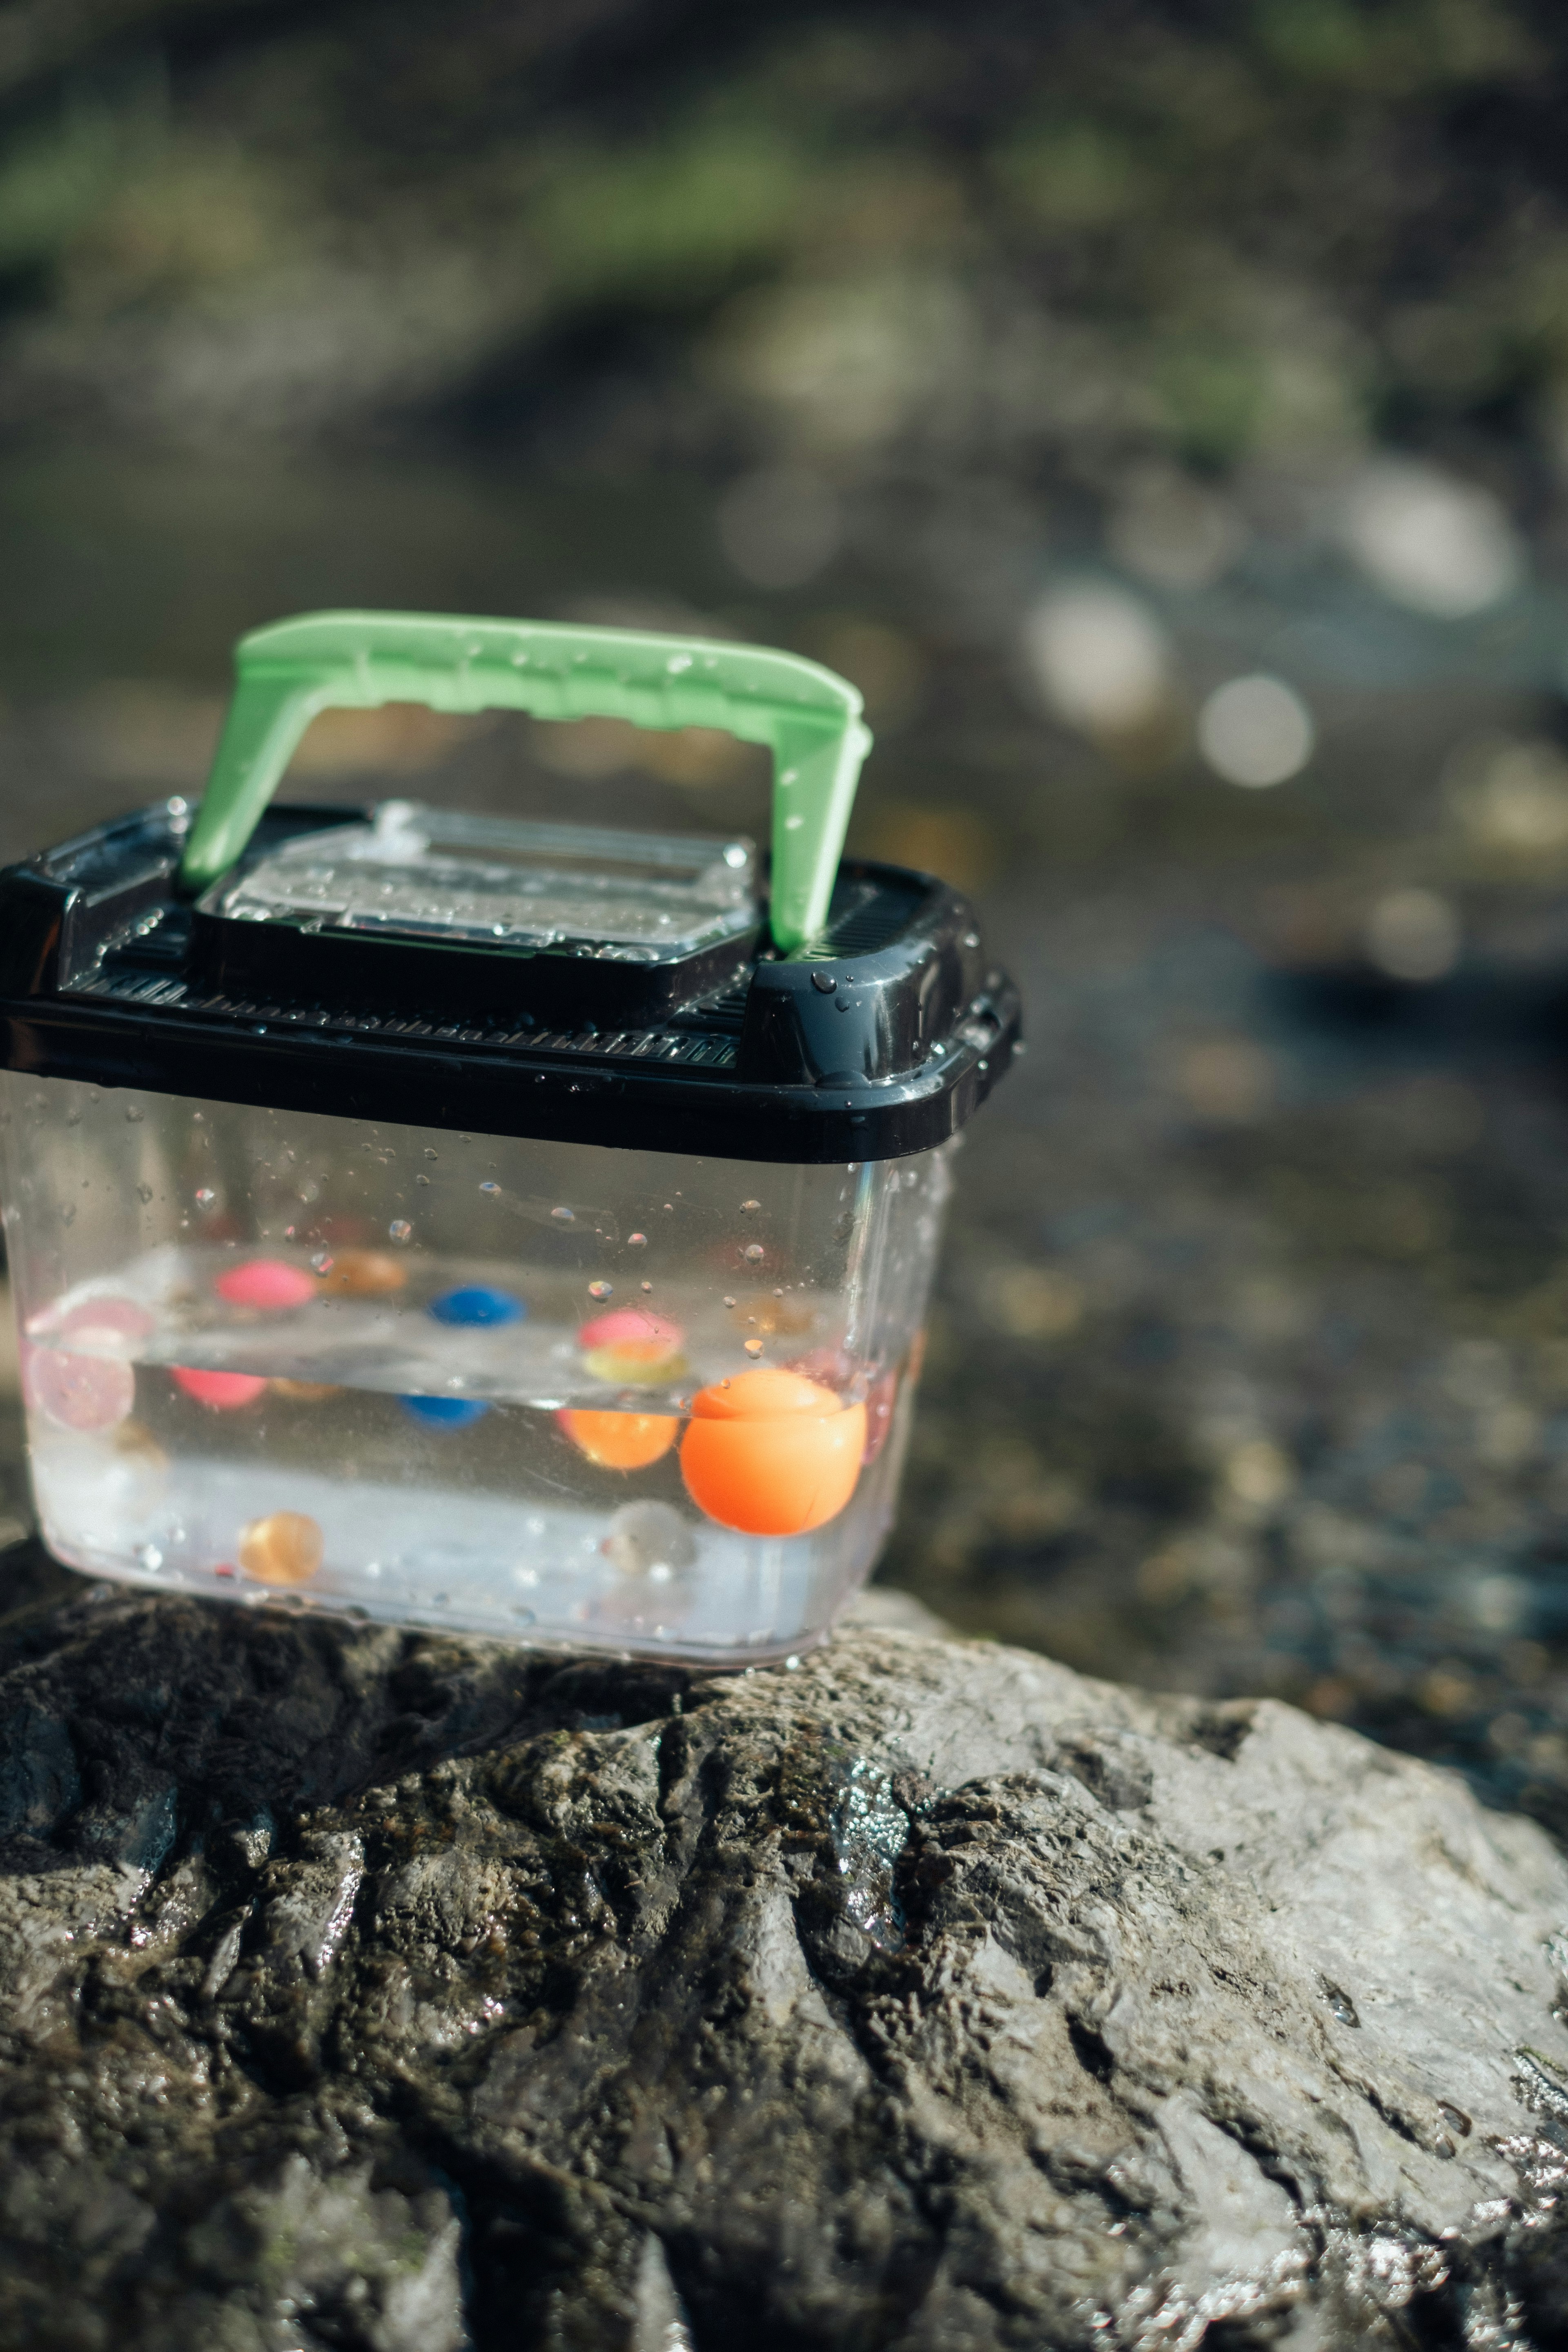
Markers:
point(285, 674)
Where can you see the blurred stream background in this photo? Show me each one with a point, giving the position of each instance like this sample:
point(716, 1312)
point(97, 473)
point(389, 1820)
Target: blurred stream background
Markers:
point(1160, 409)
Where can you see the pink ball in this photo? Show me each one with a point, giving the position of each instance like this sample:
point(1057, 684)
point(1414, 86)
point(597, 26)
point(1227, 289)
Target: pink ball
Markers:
point(222, 1391)
point(266, 1282)
point(624, 1323)
point(82, 1393)
point(112, 1319)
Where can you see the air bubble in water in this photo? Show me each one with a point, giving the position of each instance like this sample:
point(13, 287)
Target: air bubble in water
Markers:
point(753, 1252)
point(206, 1196)
point(644, 1537)
point(400, 1230)
point(564, 1216)
point(637, 1241)
point(600, 1289)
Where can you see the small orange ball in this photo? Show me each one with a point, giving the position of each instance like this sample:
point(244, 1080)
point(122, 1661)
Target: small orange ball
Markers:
point(771, 1454)
point(364, 1273)
point(620, 1441)
point(285, 1548)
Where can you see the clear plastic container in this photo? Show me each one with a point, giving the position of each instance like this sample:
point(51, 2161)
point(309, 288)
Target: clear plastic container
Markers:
point(449, 1378)
point(520, 1228)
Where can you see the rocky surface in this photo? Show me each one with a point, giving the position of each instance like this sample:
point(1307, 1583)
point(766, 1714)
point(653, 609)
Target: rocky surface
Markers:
point(371, 1989)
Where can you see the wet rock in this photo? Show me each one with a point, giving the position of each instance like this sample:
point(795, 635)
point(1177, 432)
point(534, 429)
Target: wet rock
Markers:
point(922, 1995)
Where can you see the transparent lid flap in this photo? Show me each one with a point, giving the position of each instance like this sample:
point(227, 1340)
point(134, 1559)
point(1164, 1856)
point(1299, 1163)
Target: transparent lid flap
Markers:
point(411, 872)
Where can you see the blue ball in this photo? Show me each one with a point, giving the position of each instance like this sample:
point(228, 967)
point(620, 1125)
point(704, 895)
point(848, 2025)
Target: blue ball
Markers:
point(446, 1411)
point(475, 1304)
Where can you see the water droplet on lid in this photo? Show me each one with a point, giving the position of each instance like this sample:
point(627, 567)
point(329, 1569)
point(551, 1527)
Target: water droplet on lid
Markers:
point(149, 1556)
point(753, 1347)
point(490, 1185)
point(135, 1114)
point(431, 1155)
point(400, 1230)
point(564, 1216)
point(729, 1302)
point(647, 1285)
point(747, 1206)
point(206, 1196)
point(753, 1251)
point(143, 1193)
point(734, 855)
point(322, 1261)
point(637, 1241)
point(600, 1289)
point(677, 663)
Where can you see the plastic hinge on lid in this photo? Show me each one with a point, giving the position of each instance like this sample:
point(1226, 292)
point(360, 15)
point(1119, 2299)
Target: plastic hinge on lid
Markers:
point(807, 717)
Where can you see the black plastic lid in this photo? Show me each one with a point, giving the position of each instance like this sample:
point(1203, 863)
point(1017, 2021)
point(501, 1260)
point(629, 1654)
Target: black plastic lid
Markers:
point(685, 1032)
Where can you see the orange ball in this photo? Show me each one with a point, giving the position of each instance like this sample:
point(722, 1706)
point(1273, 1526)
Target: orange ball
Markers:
point(285, 1548)
point(364, 1273)
point(620, 1441)
point(771, 1454)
